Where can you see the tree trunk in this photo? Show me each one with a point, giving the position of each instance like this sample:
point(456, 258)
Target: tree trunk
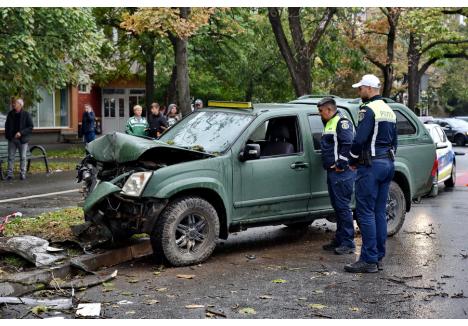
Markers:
point(413, 76)
point(171, 92)
point(149, 52)
point(183, 82)
point(298, 63)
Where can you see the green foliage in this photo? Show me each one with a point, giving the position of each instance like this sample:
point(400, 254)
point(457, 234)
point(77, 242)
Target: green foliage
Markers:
point(47, 47)
point(52, 226)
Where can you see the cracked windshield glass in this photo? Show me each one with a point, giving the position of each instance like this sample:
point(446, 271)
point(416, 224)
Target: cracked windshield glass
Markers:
point(210, 132)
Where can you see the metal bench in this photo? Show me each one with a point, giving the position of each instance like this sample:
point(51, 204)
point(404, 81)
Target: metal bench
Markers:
point(39, 153)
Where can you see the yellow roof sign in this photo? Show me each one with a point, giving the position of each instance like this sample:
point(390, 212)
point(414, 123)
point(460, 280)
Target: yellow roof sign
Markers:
point(231, 105)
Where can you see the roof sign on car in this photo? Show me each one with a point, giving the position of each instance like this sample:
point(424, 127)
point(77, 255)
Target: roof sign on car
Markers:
point(230, 104)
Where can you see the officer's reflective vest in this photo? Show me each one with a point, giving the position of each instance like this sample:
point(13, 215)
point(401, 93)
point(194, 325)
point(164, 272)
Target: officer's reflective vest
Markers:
point(382, 113)
point(330, 129)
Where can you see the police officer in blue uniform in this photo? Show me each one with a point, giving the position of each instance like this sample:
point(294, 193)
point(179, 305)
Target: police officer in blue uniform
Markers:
point(335, 145)
point(373, 152)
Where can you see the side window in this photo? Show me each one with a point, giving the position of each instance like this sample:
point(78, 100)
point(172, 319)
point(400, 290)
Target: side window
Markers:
point(316, 128)
point(278, 137)
point(435, 135)
point(404, 126)
point(442, 135)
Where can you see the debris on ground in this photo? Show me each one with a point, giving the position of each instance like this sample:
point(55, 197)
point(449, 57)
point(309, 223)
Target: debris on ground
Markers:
point(85, 282)
point(88, 310)
point(185, 276)
point(5, 219)
point(33, 249)
point(53, 304)
point(91, 235)
point(213, 313)
point(52, 226)
point(459, 295)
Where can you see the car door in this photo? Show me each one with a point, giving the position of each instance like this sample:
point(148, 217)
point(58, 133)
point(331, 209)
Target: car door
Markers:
point(277, 185)
point(448, 129)
point(320, 199)
point(444, 155)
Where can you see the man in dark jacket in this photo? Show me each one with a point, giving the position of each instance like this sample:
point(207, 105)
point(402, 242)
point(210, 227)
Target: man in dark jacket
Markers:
point(157, 121)
point(18, 129)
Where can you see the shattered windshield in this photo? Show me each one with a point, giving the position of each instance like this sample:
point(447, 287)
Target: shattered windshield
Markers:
point(211, 132)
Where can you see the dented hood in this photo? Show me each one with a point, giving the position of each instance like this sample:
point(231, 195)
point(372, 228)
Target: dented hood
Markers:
point(120, 148)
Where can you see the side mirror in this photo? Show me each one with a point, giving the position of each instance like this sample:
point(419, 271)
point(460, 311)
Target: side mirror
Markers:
point(250, 152)
point(441, 145)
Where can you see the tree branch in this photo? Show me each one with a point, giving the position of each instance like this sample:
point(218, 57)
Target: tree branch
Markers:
point(296, 29)
point(458, 11)
point(326, 18)
point(431, 61)
point(431, 45)
point(275, 19)
point(370, 58)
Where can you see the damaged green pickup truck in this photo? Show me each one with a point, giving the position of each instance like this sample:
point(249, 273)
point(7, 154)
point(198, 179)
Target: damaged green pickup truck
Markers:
point(229, 167)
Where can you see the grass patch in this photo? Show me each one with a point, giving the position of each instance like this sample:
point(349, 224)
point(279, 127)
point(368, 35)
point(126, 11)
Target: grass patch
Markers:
point(75, 151)
point(39, 166)
point(52, 226)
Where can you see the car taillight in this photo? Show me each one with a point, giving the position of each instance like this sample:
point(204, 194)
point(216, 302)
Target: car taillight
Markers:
point(435, 168)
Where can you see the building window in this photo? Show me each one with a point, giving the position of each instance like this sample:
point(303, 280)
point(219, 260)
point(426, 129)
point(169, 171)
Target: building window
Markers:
point(51, 112)
point(84, 88)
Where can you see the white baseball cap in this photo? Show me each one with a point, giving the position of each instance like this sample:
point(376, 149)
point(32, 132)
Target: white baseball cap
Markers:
point(368, 80)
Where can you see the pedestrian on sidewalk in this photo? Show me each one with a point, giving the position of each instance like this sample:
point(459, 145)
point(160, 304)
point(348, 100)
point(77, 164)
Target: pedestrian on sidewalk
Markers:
point(373, 153)
point(137, 125)
point(18, 129)
point(157, 121)
point(172, 115)
point(335, 145)
point(88, 124)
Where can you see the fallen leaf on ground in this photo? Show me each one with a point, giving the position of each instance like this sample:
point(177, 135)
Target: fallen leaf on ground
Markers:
point(194, 306)
point(247, 311)
point(151, 302)
point(279, 281)
point(161, 289)
point(130, 312)
point(123, 302)
point(185, 276)
point(37, 310)
point(126, 293)
point(356, 309)
point(265, 297)
point(156, 273)
point(317, 306)
point(302, 299)
point(317, 291)
point(133, 280)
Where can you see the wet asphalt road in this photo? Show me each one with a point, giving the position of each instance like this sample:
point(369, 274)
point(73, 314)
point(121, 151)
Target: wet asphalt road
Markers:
point(425, 275)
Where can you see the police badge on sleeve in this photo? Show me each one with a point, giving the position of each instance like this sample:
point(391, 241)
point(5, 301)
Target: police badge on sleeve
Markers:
point(344, 124)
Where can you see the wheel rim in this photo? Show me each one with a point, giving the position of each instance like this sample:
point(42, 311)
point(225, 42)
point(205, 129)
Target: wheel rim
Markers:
point(391, 210)
point(191, 233)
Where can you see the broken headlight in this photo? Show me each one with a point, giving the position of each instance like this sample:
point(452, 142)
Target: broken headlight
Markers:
point(136, 183)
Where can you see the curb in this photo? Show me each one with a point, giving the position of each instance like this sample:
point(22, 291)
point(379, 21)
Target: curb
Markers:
point(25, 282)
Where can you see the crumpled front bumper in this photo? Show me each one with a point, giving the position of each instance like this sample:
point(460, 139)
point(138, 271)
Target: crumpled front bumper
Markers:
point(102, 190)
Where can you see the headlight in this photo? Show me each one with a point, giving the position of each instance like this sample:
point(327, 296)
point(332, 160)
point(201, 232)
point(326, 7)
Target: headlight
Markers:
point(136, 183)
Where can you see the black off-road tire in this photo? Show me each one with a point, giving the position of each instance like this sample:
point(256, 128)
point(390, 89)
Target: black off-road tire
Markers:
point(164, 235)
point(450, 183)
point(396, 205)
point(460, 140)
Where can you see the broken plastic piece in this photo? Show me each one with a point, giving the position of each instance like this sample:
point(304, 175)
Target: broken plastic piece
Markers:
point(31, 248)
point(58, 304)
point(88, 310)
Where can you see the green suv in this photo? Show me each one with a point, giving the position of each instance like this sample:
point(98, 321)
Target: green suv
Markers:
point(229, 167)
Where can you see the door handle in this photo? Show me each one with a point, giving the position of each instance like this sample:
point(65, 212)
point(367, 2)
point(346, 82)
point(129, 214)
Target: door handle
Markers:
point(299, 165)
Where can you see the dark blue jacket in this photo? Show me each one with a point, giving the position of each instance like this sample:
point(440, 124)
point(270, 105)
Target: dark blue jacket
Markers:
point(336, 142)
point(87, 123)
point(376, 132)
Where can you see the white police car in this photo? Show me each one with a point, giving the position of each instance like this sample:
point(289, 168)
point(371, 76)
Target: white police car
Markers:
point(444, 169)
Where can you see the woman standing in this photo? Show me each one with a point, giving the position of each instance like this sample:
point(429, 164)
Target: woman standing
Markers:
point(88, 125)
point(172, 115)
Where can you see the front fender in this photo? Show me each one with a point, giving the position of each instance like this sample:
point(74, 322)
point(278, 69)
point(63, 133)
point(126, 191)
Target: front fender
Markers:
point(102, 190)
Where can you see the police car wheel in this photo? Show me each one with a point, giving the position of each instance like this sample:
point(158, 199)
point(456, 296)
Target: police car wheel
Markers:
point(186, 232)
point(453, 178)
point(395, 209)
